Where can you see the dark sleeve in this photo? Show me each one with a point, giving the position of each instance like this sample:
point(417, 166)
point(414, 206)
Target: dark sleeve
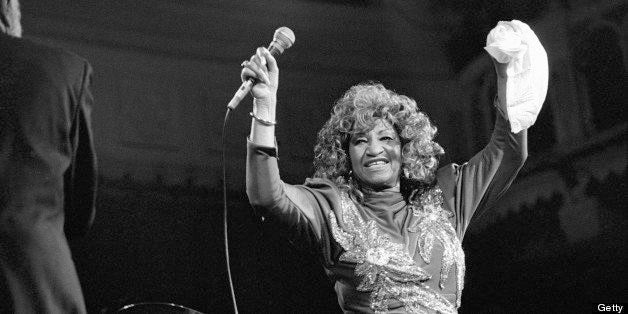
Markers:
point(474, 187)
point(299, 208)
point(80, 179)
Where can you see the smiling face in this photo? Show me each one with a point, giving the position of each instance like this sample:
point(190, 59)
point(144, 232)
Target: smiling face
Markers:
point(376, 156)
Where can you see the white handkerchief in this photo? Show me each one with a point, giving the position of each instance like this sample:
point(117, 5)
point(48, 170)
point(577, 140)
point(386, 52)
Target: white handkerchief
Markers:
point(516, 44)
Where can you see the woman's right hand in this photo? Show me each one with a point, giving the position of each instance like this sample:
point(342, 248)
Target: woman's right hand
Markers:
point(263, 67)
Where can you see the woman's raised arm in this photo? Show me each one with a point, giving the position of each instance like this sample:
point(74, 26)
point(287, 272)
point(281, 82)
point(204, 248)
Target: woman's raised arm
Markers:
point(263, 67)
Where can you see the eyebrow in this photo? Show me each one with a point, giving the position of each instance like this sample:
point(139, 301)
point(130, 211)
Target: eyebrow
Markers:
point(386, 131)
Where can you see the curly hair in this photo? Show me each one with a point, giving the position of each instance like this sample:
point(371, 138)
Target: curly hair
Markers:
point(356, 112)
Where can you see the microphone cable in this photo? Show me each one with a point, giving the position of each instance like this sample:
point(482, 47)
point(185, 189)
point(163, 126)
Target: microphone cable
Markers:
point(224, 212)
point(282, 39)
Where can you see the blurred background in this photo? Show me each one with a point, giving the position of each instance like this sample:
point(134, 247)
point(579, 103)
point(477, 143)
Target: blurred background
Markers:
point(165, 70)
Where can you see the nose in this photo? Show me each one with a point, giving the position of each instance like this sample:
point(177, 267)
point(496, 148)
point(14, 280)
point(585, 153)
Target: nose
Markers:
point(374, 148)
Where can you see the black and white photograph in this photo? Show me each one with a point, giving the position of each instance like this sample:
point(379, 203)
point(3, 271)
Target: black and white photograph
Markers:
point(313, 156)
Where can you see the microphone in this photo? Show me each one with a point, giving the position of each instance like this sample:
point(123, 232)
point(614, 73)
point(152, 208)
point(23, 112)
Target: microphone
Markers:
point(282, 40)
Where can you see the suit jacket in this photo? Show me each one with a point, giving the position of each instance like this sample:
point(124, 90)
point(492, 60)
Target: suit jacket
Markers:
point(47, 158)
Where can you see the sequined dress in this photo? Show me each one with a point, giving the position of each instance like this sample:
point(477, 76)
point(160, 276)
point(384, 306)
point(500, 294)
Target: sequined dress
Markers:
point(386, 255)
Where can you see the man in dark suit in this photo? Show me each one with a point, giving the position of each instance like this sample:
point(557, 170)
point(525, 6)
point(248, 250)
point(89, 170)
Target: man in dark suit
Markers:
point(47, 168)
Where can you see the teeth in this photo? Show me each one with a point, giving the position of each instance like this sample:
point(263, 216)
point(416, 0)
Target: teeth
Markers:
point(379, 162)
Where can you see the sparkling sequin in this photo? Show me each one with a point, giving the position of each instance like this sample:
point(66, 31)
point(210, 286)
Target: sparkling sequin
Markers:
point(386, 269)
point(433, 224)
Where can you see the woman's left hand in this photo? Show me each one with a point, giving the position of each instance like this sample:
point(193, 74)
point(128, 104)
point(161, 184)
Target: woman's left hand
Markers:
point(502, 78)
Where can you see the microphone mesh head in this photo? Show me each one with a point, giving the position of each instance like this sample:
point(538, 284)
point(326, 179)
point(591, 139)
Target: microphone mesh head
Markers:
point(283, 39)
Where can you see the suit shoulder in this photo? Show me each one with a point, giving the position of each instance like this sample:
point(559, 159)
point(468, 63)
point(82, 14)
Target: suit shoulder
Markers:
point(38, 68)
point(50, 58)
